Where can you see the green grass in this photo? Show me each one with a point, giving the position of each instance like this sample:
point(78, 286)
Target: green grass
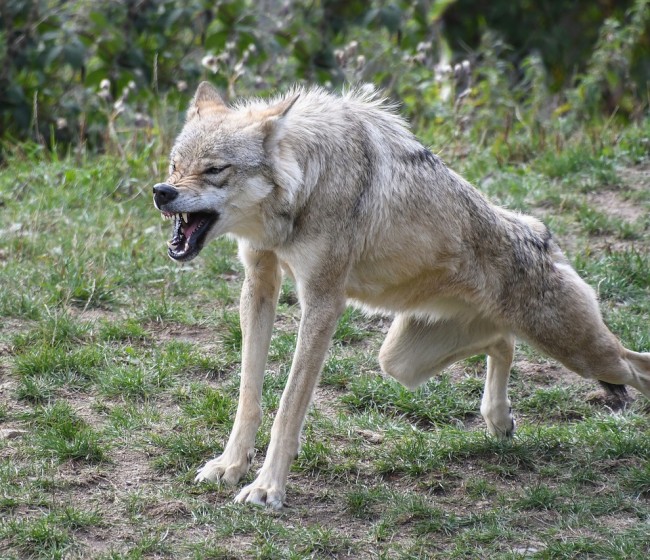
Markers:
point(61, 434)
point(439, 402)
point(120, 370)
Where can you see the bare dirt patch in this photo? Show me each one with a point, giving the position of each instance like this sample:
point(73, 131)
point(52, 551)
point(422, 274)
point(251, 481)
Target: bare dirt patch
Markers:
point(636, 177)
point(614, 204)
point(207, 337)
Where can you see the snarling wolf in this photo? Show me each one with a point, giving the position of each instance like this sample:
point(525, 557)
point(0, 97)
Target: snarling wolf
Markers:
point(337, 193)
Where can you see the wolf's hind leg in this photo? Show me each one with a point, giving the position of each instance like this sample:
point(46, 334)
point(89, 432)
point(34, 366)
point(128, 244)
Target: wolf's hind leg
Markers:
point(612, 365)
point(568, 326)
point(416, 349)
point(639, 367)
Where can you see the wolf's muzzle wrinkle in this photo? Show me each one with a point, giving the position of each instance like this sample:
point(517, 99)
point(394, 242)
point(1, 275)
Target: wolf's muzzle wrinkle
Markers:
point(163, 194)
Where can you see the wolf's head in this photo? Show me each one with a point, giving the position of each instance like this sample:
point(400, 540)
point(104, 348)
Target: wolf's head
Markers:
point(221, 169)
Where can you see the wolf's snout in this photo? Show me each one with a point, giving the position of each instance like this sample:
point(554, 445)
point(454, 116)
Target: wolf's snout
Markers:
point(163, 194)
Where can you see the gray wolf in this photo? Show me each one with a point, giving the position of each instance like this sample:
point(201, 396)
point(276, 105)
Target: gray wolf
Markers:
point(336, 192)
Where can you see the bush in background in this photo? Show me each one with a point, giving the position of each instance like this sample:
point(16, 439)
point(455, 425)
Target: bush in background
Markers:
point(109, 75)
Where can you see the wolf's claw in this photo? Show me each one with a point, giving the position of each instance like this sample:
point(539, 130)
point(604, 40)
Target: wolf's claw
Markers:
point(222, 470)
point(261, 494)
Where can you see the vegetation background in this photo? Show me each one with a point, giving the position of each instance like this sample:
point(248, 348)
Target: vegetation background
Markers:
point(119, 369)
point(79, 72)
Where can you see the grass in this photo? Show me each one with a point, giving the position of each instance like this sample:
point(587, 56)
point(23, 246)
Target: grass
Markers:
point(62, 435)
point(120, 373)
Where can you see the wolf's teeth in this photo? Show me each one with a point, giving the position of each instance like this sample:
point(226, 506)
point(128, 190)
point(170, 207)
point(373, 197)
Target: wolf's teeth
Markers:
point(185, 219)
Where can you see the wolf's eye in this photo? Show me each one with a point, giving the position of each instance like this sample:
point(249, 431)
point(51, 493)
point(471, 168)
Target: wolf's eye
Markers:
point(216, 170)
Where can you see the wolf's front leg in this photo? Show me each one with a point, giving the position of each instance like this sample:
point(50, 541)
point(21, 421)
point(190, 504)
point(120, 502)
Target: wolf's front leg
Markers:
point(319, 317)
point(259, 298)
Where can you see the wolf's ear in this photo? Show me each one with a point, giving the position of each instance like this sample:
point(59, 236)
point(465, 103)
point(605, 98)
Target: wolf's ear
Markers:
point(280, 109)
point(206, 100)
point(272, 119)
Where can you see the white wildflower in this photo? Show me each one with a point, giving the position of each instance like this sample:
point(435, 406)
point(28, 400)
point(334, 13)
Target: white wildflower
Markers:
point(210, 62)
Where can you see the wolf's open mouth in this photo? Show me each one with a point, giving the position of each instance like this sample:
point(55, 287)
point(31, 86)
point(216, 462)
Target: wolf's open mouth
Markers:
point(189, 233)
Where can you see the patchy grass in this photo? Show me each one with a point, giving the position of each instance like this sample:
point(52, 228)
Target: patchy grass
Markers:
point(119, 377)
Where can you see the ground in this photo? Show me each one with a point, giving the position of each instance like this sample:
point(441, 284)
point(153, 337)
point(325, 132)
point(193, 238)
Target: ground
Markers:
point(119, 375)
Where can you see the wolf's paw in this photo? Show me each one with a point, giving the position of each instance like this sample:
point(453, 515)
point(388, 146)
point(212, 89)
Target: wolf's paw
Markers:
point(262, 493)
point(224, 469)
point(500, 423)
point(504, 431)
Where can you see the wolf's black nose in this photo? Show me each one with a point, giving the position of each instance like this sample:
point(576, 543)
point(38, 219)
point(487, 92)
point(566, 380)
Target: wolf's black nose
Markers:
point(164, 193)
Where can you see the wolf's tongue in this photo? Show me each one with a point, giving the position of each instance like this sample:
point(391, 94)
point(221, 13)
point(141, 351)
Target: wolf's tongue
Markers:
point(191, 227)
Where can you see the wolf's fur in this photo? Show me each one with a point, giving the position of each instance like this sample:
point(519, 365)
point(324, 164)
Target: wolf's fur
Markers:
point(335, 191)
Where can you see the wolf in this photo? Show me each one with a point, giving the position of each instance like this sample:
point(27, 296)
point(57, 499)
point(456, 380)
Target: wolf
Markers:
point(335, 191)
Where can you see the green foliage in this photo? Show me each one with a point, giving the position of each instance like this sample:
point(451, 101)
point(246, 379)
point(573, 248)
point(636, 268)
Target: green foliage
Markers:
point(538, 497)
point(348, 329)
point(62, 434)
point(180, 451)
point(209, 407)
point(118, 75)
point(619, 275)
point(555, 402)
point(608, 82)
point(565, 31)
point(315, 454)
point(91, 72)
point(637, 479)
point(56, 56)
point(439, 401)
